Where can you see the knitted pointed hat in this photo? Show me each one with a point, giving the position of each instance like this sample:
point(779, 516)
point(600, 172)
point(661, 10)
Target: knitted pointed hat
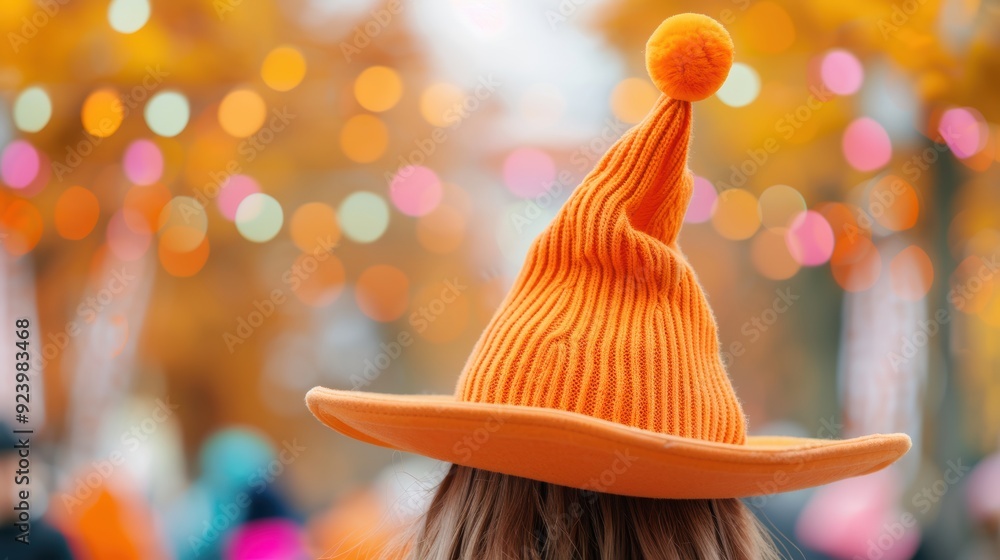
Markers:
point(601, 369)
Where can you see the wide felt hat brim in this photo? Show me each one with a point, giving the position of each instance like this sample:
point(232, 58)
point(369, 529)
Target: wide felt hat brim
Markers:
point(580, 451)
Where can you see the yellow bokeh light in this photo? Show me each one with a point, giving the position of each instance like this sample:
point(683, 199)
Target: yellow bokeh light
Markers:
point(102, 112)
point(771, 257)
point(735, 216)
point(314, 227)
point(441, 104)
point(283, 68)
point(242, 112)
point(364, 138)
point(183, 264)
point(378, 88)
point(769, 28)
point(632, 99)
point(778, 205)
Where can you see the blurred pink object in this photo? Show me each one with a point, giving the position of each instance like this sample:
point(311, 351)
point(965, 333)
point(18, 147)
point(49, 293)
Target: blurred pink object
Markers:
point(984, 489)
point(857, 518)
point(267, 539)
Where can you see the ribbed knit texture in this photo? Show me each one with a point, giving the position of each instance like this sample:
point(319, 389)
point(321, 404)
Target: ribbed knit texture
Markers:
point(607, 317)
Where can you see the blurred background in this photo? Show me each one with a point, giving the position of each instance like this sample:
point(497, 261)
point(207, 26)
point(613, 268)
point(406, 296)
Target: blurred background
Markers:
point(210, 206)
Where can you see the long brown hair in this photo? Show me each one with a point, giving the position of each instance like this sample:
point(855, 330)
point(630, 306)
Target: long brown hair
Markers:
point(483, 515)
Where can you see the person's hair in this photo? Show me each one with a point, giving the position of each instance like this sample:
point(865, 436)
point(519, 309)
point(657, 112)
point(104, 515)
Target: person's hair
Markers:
point(482, 515)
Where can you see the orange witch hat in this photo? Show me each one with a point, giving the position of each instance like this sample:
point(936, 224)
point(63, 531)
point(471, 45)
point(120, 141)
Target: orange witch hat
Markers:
point(601, 369)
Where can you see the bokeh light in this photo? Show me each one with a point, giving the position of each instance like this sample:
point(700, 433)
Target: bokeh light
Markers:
point(441, 104)
point(779, 205)
point(769, 28)
point(841, 72)
point(741, 87)
point(167, 113)
point(125, 243)
point(843, 220)
point(102, 112)
point(76, 213)
point(183, 224)
point(703, 196)
point(314, 227)
point(128, 16)
point(143, 206)
point(527, 172)
point(321, 280)
point(242, 112)
point(856, 263)
point(911, 273)
point(19, 164)
point(364, 138)
point(810, 239)
point(42, 178)
point(632, 99)
point(964, 131)
point(233, 191)
point(771, 257)
point(893, 203)
point(378, 88)
point(32, 109)
point(866, 145)
point(143, 162)
point(283, 68)
point(734, 215)
point(363, 216)
point(183, 264)
point(259, 217)
point(415, 190)
point(382, 293)
point(22, 223)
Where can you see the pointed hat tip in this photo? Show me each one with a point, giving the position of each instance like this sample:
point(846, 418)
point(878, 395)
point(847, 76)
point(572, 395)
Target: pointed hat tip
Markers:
point(689, 56)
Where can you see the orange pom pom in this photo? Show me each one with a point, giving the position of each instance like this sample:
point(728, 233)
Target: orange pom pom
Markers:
point(689, 56)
